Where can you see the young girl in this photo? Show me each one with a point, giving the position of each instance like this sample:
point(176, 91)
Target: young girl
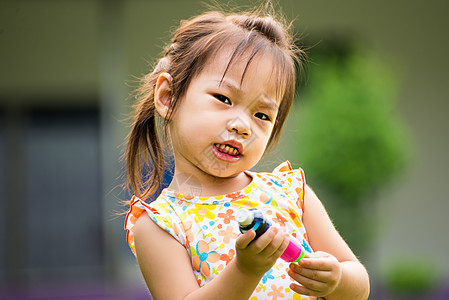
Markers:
point(223, 90)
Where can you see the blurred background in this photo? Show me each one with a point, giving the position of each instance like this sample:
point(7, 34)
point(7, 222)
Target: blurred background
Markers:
point(369, 127)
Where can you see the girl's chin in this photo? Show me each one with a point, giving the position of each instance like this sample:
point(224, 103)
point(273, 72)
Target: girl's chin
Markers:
point(223, 170)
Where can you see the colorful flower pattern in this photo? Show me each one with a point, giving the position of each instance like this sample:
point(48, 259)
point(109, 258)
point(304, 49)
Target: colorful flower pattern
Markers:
point(206, 226)
point(202, 256)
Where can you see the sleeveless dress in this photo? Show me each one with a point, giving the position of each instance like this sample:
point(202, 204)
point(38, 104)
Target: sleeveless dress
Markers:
point(207, 229)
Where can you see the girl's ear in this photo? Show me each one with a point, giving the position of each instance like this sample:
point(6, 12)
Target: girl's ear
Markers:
point(163, 94)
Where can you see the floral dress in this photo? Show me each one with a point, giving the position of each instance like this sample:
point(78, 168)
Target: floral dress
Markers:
point(207, 228)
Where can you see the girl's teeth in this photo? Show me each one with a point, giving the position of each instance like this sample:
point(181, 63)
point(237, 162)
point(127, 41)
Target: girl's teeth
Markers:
point(228, 149)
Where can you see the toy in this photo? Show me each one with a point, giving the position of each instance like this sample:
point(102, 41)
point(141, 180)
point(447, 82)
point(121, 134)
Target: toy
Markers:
point(254, 219)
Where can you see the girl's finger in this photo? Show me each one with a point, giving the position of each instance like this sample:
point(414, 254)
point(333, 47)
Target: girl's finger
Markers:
point(304, 291)
point(283, 246)
point(245, 239)
point(317, 275)
point(317, 263)
point(264, 240)
point(308, 283)
point(278, 244)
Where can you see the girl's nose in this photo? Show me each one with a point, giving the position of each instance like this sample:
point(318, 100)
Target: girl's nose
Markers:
point(239, 126)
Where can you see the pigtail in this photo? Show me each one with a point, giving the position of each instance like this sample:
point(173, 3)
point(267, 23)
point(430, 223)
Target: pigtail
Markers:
point(144, 157)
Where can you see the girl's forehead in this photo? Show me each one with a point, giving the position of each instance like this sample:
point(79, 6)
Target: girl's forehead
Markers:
point(243, 71)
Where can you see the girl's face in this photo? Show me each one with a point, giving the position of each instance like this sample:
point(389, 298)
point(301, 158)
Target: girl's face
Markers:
point(222, 125)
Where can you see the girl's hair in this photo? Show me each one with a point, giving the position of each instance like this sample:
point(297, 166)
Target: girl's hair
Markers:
point(194, 44)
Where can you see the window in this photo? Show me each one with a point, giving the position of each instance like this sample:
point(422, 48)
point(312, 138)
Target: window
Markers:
point(56, 218)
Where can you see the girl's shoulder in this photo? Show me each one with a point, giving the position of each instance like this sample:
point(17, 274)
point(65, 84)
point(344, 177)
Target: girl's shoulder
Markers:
point(284, 180)
point(283, 170)
point(160, 211)
point(283, 176)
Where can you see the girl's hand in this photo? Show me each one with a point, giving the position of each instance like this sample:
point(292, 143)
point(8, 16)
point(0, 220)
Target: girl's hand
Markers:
point(256, 257)
point(318, 274)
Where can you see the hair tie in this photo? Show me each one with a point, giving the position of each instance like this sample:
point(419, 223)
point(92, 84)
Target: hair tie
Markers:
point(172, 48)
point(162, 65)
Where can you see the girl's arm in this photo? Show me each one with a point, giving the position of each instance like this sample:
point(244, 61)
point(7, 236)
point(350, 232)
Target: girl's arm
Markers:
point(333, 272)
point(167, 268)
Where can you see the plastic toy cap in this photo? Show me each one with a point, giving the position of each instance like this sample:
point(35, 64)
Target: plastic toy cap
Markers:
point(244, 217)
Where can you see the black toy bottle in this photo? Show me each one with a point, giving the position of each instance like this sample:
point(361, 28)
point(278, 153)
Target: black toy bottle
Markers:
point(252, 219)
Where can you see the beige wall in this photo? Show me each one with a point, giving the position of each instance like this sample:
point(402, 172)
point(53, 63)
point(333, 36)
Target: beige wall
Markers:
point(52, 50)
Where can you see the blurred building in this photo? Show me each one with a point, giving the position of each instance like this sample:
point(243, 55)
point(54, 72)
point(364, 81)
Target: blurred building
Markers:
point(66, 71)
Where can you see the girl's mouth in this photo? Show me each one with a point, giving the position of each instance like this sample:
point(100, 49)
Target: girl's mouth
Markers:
point(227, 149)
point(226, 152)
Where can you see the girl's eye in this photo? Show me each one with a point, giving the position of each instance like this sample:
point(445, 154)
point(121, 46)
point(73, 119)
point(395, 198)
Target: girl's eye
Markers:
point(262, 116)
point(223, 99)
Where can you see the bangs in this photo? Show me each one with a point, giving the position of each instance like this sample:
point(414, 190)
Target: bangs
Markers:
point(250, 47)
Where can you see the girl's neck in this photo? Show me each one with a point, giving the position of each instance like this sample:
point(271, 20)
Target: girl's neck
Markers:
point(207, 185)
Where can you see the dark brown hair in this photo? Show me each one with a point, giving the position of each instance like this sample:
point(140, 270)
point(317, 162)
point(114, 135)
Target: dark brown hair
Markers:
point(193, 45)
